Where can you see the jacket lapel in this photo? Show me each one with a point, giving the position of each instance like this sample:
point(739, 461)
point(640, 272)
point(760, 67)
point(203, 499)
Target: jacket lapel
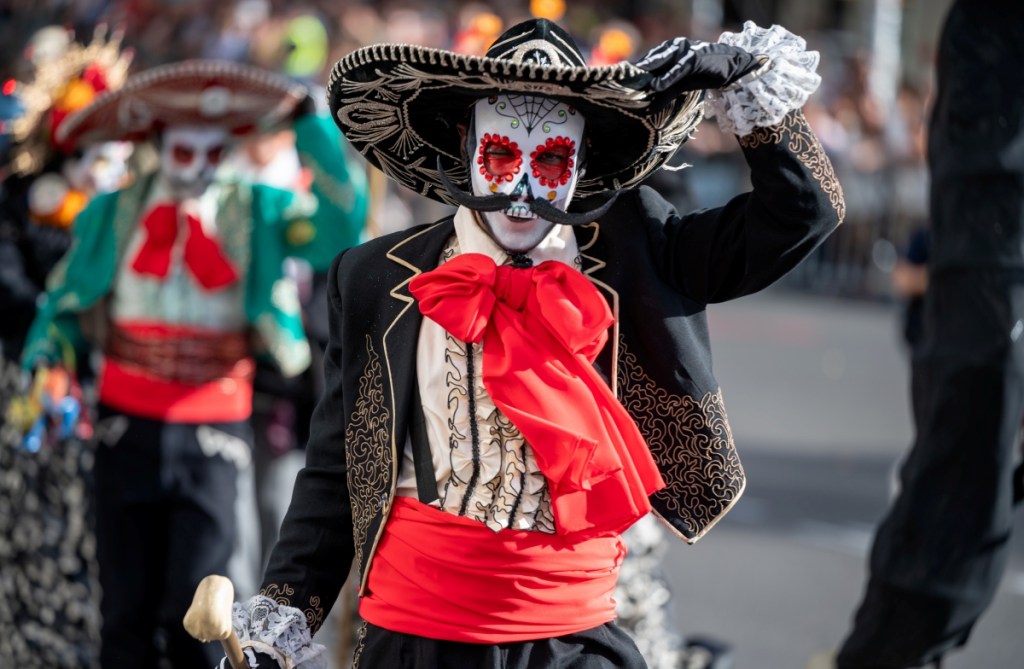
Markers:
point(592, 254)
point(408, 258)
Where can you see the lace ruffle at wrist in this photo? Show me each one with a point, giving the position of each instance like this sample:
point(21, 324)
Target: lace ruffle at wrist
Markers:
point(783, 84)
point(279, 631)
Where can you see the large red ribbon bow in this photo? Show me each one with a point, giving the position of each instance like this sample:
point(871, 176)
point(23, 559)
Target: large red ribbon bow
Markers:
point(542, 328)
point(202, 254)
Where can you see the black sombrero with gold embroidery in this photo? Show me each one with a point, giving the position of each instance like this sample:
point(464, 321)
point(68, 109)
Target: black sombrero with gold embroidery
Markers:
point(399, 105)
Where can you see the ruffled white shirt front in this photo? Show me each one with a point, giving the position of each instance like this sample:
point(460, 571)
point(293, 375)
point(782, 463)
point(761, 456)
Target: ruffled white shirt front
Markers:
point(484, 468)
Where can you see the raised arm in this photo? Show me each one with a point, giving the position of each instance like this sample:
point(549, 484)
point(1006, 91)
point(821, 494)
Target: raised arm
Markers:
point(340, 188)
point(726, 252)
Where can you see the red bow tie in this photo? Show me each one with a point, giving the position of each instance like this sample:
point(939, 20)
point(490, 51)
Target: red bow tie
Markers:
point(203, 255)
point(542, 328)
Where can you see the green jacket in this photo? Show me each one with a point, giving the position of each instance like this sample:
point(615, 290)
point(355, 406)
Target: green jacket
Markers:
point(259, 226)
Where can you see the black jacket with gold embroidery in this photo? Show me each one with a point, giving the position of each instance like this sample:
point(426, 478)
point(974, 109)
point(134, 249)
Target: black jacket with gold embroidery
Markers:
point(658, 270)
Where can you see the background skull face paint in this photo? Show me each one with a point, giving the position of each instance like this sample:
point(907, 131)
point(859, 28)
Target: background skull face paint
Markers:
point(526, 147)
point(189, 157)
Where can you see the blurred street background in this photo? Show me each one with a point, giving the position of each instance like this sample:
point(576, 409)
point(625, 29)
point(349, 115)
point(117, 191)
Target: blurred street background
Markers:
point(814, 371)
point(817, 395)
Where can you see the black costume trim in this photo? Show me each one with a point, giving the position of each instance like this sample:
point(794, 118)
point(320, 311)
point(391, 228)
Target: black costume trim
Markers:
point(283, 593)
point(366, 436)
point(474, 429)
point(692, 443)
point(807, 149)
point(423, 464)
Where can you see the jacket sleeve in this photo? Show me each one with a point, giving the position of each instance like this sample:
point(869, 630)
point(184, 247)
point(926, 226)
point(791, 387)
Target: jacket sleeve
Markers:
point(74, 284)
point(723, 253)
point(314, 552)
point(339, 189)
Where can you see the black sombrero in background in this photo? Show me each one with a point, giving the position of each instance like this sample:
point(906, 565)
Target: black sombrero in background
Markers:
point(399, 105)
point(237, 97)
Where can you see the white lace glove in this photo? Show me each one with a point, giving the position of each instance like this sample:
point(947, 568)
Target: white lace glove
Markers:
point(762, 98)
point(275, 636)
point(253, 660)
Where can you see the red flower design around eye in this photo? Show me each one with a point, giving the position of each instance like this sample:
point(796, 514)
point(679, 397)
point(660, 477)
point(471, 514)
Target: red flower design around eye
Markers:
point(499, 158)
point(552, 161)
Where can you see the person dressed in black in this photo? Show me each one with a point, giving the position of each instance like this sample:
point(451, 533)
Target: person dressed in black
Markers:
point(909, 282)
point(941, 550)
point(511, 387)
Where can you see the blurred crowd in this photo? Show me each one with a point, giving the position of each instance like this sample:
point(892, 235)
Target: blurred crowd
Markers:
point(878, 147)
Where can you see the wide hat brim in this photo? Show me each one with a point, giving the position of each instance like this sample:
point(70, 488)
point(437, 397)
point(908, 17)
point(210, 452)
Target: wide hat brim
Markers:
point(400, 104)
point(239, 98)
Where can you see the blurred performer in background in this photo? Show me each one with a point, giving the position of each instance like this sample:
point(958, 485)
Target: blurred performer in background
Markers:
point(47, 547)
point(282, 406)
point(510, 388)
point(178, 280)
point(939, 554)
point(43, 183)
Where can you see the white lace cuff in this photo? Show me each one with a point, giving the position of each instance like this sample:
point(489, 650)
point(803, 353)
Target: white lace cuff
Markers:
point(279, 631)
point(783, 84)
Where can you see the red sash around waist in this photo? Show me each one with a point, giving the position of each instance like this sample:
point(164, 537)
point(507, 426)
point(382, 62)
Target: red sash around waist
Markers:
point(178, 373)
point(445, 577)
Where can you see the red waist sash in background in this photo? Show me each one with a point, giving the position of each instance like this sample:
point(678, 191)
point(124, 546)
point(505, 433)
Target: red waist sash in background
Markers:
point(442, 576)
point(178, 374)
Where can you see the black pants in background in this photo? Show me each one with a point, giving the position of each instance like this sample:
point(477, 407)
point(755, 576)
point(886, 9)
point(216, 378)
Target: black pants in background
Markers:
point(165, 496)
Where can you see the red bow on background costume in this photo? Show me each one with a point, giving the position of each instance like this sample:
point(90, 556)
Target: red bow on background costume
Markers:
point(203, 255)
point(542, 328)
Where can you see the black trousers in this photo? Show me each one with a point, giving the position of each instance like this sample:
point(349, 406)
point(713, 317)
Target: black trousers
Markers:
point(165, 497)
point(942, 549)
point(604, 647)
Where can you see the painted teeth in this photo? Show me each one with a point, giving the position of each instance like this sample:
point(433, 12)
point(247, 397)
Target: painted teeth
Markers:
point(520, 211)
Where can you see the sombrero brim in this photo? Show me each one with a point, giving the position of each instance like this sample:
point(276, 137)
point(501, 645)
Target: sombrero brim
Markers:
point(399, 105)
point(224, 94)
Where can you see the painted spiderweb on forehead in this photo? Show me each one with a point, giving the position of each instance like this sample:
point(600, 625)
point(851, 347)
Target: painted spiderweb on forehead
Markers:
point(531, 110)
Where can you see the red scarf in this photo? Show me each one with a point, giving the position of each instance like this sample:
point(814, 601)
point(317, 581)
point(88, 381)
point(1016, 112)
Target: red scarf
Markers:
point(203, 255)
point(542, 328)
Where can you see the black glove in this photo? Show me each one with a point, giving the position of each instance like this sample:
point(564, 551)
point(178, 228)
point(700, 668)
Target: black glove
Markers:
point(254, 660)
point(684, 65)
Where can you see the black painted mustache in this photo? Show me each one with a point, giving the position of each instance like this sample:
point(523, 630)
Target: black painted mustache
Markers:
point(541, 208)
point(556, 215)
point(475, 202)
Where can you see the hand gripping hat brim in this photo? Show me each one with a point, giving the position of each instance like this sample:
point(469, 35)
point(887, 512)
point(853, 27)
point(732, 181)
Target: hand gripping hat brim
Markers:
point(400, 105)
point(225, 94)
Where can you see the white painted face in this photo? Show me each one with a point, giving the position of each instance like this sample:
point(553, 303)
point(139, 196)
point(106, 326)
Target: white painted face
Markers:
point(527, 147)
point(189, 157)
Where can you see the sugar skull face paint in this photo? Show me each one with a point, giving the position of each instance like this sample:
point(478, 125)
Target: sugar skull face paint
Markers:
point(526, 147)
point(189, 157)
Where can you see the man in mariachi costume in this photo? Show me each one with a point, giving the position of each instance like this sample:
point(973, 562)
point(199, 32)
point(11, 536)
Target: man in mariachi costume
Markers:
point(178, 280)
point(510, 388)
